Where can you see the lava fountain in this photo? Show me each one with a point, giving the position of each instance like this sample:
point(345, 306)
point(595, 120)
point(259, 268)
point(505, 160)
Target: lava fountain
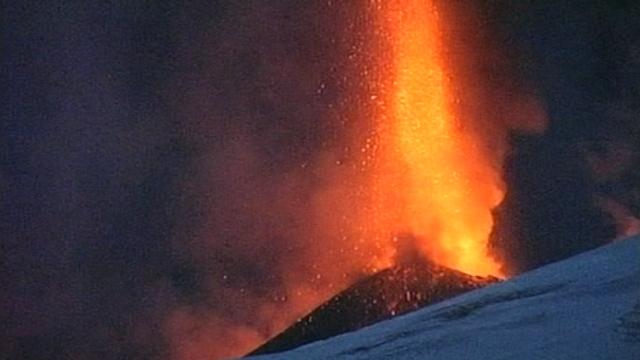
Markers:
point(430, 176)
point(407, 108)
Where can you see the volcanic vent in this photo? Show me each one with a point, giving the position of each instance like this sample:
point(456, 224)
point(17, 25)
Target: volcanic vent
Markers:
point(410, 130)
point(432, 160)
point(412, 283)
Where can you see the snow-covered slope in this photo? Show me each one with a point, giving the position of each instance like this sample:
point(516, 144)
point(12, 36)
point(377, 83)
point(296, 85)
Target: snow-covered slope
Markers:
point(586, 307)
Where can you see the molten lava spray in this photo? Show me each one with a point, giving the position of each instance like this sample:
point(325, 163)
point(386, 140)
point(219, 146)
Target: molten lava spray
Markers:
point(432, 178)
point(359, 125)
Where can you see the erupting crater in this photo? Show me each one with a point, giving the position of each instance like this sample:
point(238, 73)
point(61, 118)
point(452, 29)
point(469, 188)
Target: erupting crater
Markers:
point(430, 175)
point(412, 283)
point(433, 163)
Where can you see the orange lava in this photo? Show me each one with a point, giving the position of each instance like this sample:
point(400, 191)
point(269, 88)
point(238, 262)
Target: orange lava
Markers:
point(430, 178)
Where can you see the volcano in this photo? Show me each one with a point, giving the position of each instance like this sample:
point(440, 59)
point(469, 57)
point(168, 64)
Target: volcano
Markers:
point(584, 307)
point(402, 288)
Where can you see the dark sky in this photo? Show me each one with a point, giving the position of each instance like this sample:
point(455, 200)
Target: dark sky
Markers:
point(104, 127)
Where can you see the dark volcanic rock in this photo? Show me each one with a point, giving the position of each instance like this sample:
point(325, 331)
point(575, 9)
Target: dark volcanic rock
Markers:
point(383, 295)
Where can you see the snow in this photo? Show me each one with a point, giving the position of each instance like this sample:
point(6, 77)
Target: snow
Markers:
point(585, 307)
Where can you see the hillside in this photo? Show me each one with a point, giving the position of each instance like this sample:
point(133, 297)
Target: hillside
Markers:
point(585, 307)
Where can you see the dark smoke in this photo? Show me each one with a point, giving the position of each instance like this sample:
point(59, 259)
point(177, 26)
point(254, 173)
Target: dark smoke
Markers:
point(158, 160)
point(563, 186)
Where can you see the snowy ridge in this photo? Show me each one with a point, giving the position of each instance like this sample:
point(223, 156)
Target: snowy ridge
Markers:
point(585, 307)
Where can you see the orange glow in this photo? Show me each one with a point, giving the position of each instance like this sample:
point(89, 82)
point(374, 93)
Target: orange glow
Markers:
point(430, 177)
point(402, 111)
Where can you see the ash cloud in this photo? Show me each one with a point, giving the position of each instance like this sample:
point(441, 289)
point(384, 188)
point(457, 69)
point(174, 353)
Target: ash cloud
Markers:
point(613, 161)
point(582, 58)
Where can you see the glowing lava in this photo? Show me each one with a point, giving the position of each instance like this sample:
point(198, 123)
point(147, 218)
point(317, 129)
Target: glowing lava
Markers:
point(431, 179)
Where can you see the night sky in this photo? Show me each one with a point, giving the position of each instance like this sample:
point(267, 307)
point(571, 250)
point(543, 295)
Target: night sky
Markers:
point(138, 141)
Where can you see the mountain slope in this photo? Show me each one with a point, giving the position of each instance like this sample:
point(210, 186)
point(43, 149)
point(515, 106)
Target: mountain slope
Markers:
point(397, 290)
point(586, 307)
